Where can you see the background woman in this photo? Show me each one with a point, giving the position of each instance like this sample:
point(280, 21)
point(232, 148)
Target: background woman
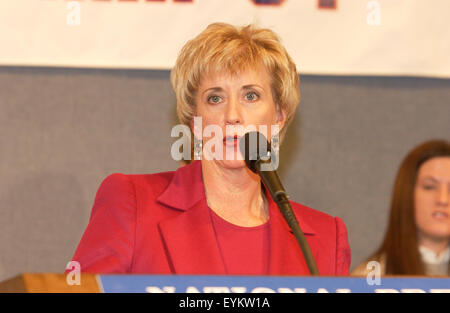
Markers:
point(418, 236)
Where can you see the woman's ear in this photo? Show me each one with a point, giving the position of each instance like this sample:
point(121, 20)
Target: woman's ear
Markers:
point(281, 117)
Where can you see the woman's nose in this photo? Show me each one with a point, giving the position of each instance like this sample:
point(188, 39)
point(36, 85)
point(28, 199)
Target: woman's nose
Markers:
point(444, 195)
point(233, 114)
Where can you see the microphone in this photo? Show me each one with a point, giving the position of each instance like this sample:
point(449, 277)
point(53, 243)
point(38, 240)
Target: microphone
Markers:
point(259, 158)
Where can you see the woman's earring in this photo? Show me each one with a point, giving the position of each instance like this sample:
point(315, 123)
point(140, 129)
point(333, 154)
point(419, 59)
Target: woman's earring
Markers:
point(275, 145)
point(198, 145)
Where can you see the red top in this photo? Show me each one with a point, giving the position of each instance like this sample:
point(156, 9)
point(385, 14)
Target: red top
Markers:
point(244, 250)
point(161, 224)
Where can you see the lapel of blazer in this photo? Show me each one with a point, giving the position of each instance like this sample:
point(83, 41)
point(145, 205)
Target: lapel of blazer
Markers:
point(189, 237)
point(286, 257)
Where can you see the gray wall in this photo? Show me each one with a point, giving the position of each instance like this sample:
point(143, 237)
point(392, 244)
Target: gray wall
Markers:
point(63, 130)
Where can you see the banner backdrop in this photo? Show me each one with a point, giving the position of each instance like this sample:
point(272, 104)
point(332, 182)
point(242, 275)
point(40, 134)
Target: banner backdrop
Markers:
point(332, 37)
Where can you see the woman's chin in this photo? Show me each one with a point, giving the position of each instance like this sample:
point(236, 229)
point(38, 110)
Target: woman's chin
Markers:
point(229, 159)
point(231, 164)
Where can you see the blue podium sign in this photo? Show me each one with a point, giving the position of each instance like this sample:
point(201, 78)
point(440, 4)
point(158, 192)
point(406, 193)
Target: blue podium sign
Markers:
point(268, 284)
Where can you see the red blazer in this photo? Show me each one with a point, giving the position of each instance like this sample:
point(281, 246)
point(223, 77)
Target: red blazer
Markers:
point(160, 224)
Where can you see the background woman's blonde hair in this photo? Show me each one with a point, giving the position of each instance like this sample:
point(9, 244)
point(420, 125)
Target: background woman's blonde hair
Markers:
point(224, 48)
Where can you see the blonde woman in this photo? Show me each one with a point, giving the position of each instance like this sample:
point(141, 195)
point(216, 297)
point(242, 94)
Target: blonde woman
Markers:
point(214, 216)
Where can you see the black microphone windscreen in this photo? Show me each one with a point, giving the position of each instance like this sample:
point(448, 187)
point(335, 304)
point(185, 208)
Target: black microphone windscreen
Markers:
point(254, 146)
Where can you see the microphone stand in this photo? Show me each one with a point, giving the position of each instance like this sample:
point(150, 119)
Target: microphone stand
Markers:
point(276, 189)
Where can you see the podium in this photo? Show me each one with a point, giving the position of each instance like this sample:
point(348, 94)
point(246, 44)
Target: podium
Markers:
point(49, 283)
point(114, 283)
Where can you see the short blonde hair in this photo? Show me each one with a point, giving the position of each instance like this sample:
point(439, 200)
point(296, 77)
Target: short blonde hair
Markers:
point(225, 48)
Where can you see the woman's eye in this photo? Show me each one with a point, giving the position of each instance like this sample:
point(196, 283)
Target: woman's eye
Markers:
point(429, 187)
point(214, 99)
point(251, 96)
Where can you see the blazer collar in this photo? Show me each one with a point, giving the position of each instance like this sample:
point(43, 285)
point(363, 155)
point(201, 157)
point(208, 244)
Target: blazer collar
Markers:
point(186, 189)
point(190, 240)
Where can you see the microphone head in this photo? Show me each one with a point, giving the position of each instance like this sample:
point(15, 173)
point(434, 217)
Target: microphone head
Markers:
point(254, 147)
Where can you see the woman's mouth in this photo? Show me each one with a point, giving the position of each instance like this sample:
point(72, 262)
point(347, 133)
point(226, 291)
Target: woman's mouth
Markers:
point(231, 140)
point(440, 215)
